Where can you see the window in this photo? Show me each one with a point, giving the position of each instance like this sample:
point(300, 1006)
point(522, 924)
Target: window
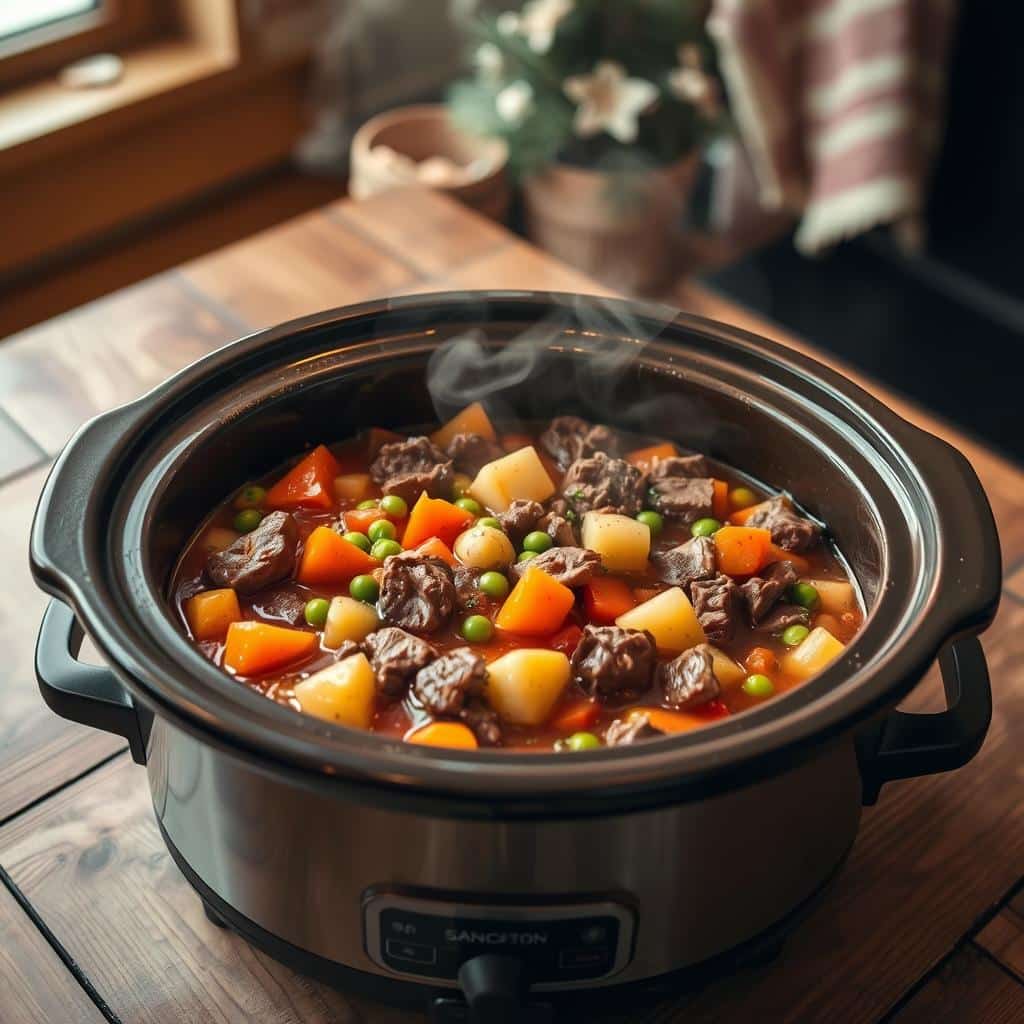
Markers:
point(39, 36)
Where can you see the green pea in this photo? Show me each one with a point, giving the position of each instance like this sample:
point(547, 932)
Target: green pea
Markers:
point(493, 584)
point(316, 612)
point(369, 503)
point(489, 521)
point(705, 527)
point(525, 556)
point(382, 529)
point(248, 519)
point(360, 540)
point(742, 497)
point(477, 629)
point(582, 741)
point(394, 506)
point(652, 520)
point(758, 685)
point(537, 542)
point(385, 549)
point(804, 594)
point(792, 636)
point(251, 497)
point(364, 588)
point(474, 508)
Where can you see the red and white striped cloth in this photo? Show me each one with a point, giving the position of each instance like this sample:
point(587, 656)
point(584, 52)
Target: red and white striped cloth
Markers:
point(840, 105)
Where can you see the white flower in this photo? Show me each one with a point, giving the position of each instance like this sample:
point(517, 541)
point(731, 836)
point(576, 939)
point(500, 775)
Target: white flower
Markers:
point(609, 101)
point(489, 61)
point(540, 20)
point(515, 102)
point(507, 23)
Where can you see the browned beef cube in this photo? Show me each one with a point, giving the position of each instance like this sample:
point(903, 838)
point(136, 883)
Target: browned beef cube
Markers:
point(417, 592)
point(611, 661)
point(264, 556)
point(689, 680)
point(408, 468)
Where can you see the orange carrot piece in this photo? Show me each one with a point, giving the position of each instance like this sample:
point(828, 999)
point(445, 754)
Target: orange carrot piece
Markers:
point(437, 547)
point(472, 420)
point(328, 558)
point(254, 648)
point(566, 640)
point(435, 517)
point(377, 438)
point(210, 613)
point(443, 734)
point(575, 716)
point(537, 605)
point(358, 520)
point(777, 554)
point(668, 721)
point(761, 659)
point(645, 456)
point(310, 484)
point(741, 550)
point(741, 515)
point(606, 598)
point(720, 500)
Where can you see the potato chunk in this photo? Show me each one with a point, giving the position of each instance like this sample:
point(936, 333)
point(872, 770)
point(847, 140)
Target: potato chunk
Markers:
point(623, 543)
point(342, 693)
point(353, 486)
point(523, 686)
point(483, 547)
point(670, 619)
point(727, 672)
point(472, 420)
point(349, 619)
point(837, 596)
point(520, 474)
point(818, 649)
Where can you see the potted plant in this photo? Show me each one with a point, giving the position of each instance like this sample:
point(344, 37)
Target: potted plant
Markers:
point(603, 105)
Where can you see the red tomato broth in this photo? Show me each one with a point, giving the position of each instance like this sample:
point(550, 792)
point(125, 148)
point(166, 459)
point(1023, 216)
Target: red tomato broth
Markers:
point(395, 719)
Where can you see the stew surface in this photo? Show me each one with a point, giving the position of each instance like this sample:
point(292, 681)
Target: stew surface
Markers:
point(570, 588)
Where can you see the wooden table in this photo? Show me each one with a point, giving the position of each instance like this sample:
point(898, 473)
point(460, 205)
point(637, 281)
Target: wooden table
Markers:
point(926, 923)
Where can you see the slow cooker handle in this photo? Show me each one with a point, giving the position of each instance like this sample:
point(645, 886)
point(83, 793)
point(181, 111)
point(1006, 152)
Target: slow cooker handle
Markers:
point(905, 745)
point(81, 693)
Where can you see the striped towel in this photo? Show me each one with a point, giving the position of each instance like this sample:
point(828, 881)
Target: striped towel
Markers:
point(840, 105)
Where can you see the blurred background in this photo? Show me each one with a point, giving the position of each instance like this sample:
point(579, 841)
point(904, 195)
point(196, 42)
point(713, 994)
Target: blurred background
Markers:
point(850, 168)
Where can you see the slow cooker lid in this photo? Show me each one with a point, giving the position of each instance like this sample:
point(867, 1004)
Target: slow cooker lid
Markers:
point(121, 468)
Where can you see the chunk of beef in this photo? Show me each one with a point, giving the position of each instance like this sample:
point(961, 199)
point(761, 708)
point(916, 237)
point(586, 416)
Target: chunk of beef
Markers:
point(717, 604)
point(282, 603)
point(782, 616)
point(259, 558)
point(789, 530)
point(407, 468)
point(569, 438)
point(520, 518)
point(417, 592)
point(396, 657)
point(572, 567)
point(762, 592)
point(601, 482)
point(684, 498)
point(624, 731)
point(469, 452)
point(689, 680)
point(558, 528)
point(679, 466)
point(444, 686)
point(484, 722)
point(611, 661)
point(681, 565)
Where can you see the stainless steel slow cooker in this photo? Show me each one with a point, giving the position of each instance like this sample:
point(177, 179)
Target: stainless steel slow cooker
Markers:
point(412, 872)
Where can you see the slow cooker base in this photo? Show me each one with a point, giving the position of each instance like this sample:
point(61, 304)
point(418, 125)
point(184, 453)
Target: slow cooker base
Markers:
point(758, 951)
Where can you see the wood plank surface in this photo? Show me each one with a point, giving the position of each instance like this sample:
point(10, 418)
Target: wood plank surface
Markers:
point(37, 988)
point(1003, 936)
point(17, 450)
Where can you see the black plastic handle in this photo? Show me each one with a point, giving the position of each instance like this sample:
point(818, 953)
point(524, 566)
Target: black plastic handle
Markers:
point(82, 693)
point(904, 745)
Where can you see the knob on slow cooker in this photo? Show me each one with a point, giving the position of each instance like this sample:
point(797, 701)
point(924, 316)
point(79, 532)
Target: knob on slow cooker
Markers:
point(496, 992)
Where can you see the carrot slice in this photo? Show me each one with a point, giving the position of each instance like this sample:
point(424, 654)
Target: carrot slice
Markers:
point(741, 550)
point(761, 659)
point(645, 456)
point(606, 598)
point(435, 517)
point(674, 721)
point(537, 605)
point(576, 716)
point(437, 547)
point(720, 500)
point(359, 520)
point(741, 515)
point(210, 613)
point(566, 640)
point(777, 554)
point(472, 420)
point(443, 734)
point(328, 558)
point(310, 484)
point(254, 648)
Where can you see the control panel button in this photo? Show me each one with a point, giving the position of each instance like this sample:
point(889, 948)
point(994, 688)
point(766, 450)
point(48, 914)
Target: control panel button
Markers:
point(413, 952)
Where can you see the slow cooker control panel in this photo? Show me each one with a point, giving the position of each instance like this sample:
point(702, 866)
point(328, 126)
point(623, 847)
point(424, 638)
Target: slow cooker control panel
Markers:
point(559, 944)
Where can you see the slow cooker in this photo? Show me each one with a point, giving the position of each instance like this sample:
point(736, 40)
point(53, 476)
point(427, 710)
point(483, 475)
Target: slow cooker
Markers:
point(488, 885)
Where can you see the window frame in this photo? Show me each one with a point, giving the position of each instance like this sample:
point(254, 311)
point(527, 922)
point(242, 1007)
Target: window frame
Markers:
point(115, 26)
